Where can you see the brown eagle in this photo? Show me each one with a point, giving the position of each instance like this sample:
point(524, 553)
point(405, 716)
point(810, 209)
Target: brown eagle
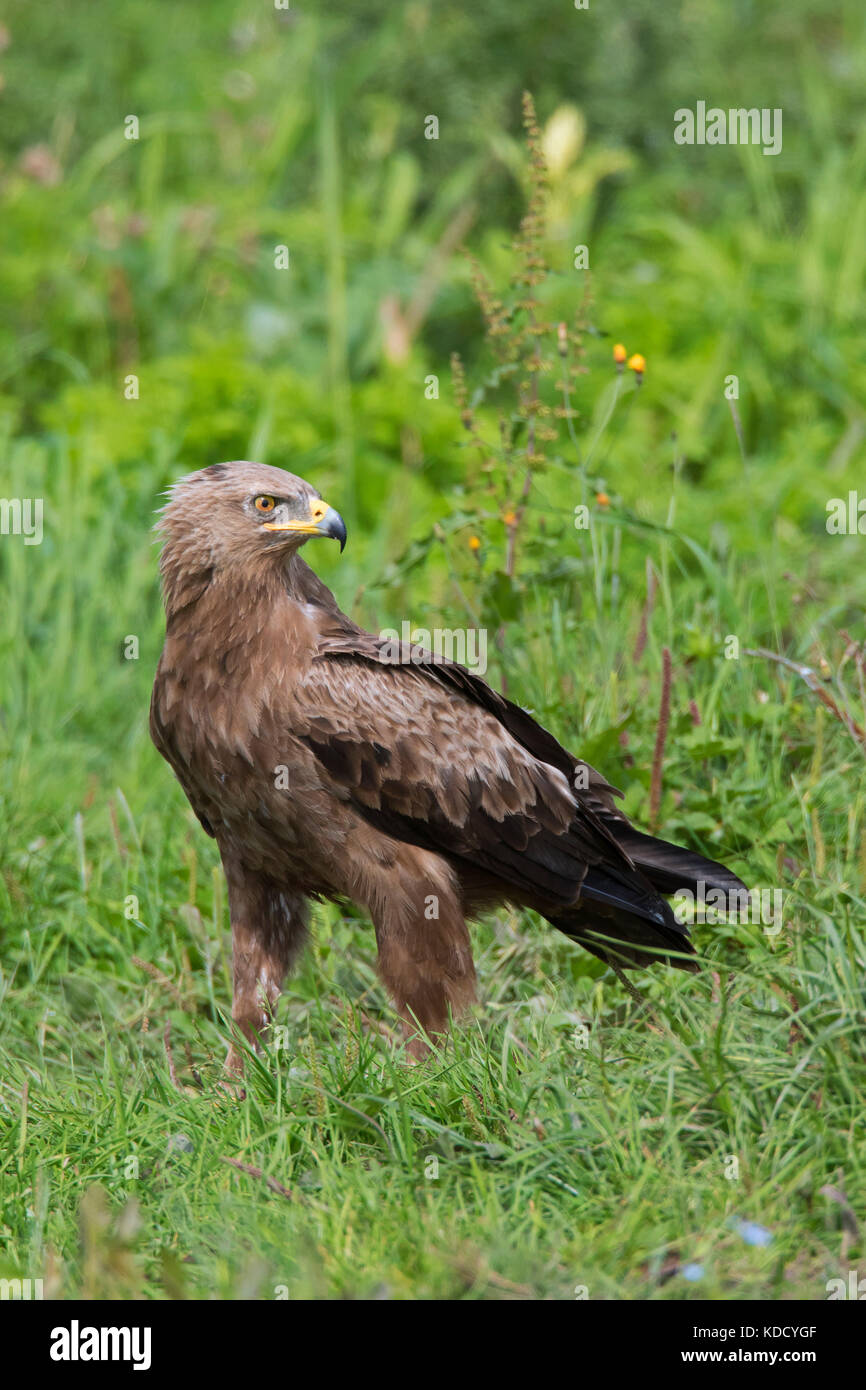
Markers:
point(330, 763)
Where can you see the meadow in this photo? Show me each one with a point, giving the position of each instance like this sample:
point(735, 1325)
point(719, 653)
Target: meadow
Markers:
point(279, 261)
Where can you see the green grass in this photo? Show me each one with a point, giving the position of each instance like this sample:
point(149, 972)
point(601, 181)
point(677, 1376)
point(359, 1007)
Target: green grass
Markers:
point(516, 1164)
point(564, 1139)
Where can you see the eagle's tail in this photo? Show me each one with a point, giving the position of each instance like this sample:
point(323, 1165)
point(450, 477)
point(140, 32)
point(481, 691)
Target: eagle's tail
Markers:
point(672, 869)
point(621, 915)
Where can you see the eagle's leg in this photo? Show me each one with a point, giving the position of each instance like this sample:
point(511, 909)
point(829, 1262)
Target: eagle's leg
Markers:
point(425, 956)
point(269, 925)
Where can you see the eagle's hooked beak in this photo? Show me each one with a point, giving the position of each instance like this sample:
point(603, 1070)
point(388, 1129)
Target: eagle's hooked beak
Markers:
point(324, 521)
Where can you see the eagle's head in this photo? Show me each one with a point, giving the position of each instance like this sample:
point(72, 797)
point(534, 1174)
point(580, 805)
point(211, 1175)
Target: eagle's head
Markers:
point(240, 516)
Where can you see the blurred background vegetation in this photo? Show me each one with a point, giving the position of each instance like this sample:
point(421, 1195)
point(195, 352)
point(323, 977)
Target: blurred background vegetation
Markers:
point(304, 127)
point(261, 126)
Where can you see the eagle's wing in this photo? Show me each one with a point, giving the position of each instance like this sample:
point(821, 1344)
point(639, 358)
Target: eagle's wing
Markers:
point(668, 868)
point(429, 754)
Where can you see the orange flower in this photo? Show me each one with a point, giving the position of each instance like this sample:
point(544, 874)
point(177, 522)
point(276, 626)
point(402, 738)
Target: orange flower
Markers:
point(602, 499)
point(619, 354)
point(510, 518)
point(474, 543)
point(636, 364)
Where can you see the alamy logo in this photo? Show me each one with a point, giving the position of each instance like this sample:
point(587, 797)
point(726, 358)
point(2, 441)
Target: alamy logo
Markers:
point(22, 516)
point(855, 1288)
point(738, 126)
point(846, 516)
point(420, 647)
point(21, 1288)
point(764, 906)
point(76, 1343)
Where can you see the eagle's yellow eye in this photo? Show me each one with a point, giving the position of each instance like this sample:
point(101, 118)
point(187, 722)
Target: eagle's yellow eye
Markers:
point(265, 504)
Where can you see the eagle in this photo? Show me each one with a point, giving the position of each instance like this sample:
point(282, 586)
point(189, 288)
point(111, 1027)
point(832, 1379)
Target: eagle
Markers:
point(330, 763)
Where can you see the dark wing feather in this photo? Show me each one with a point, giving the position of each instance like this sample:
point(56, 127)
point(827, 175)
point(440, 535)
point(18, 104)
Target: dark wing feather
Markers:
point(430, 754)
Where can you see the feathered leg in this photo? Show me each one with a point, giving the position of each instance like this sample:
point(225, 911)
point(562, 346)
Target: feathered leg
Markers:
point(425, 957)
point(269, 925)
